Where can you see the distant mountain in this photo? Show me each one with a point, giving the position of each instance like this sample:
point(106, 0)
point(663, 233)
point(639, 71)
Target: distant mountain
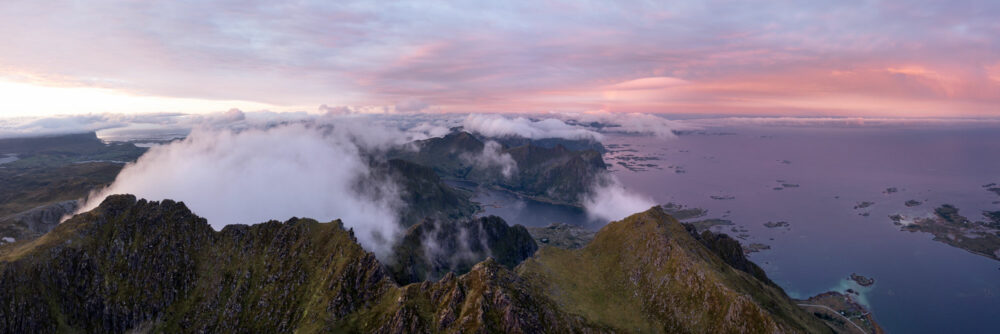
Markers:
point(570, 144)
point(424, 195)
point(49, 170)
point(134, 265)
point(552, 174)
point(76, 143)
point(62, 150)
point(433, 248)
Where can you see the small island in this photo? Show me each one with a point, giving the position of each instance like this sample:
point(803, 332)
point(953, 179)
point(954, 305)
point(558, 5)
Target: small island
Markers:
point(722, 198)
point(755, 247)
point(864, 204)
point(777, 224)
point(862, 280)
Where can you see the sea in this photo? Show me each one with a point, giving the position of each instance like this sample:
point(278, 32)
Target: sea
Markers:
point(813, 177)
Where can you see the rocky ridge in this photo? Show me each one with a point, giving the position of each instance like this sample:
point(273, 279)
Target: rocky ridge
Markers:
point(155, 266)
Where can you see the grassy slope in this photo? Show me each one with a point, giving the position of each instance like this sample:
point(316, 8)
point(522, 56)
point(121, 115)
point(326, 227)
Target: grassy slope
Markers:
point(647, 274)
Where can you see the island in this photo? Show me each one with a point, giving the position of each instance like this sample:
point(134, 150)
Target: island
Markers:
point(862, 280)
point(777, 224)
point(755, 247)
point(950, 227)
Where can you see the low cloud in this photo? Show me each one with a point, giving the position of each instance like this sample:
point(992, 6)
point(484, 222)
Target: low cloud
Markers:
point(257, 174)
point(33, 126)
point(627, 123)
point(113, 122)
point(492, 158)
point(608, 200)
point(499, 126)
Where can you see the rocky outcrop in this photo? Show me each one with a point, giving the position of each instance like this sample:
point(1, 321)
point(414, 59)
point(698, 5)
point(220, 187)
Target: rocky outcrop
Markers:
point(730, 251)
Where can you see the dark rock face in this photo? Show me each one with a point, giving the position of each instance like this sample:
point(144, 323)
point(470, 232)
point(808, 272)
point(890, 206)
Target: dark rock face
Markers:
point(730, 251)
point(432, 248)
point(136, 263)
point(104, 271)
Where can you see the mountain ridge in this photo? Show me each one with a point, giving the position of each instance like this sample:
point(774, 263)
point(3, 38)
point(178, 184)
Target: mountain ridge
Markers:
point(133, 264)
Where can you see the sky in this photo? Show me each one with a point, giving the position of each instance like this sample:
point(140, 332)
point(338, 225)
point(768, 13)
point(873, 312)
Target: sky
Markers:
point(896, 58)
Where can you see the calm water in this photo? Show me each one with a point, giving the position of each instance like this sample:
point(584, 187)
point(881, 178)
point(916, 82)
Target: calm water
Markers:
point(922, 286)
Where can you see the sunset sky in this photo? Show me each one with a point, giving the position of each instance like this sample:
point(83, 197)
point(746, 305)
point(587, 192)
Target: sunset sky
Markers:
point(818, 58)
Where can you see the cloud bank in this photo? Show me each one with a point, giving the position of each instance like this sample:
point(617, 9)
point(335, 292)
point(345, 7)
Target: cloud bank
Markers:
point(254, 175)
point(500, 126)
point(608, 200)
point(492, 158)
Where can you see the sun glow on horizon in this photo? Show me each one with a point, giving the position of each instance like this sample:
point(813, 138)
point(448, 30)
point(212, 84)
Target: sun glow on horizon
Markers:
point(21, 99)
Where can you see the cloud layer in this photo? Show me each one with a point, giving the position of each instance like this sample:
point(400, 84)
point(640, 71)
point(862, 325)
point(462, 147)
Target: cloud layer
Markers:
point(855, 57)
point(608, 200)
point(499, 126)
point(255, 175)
